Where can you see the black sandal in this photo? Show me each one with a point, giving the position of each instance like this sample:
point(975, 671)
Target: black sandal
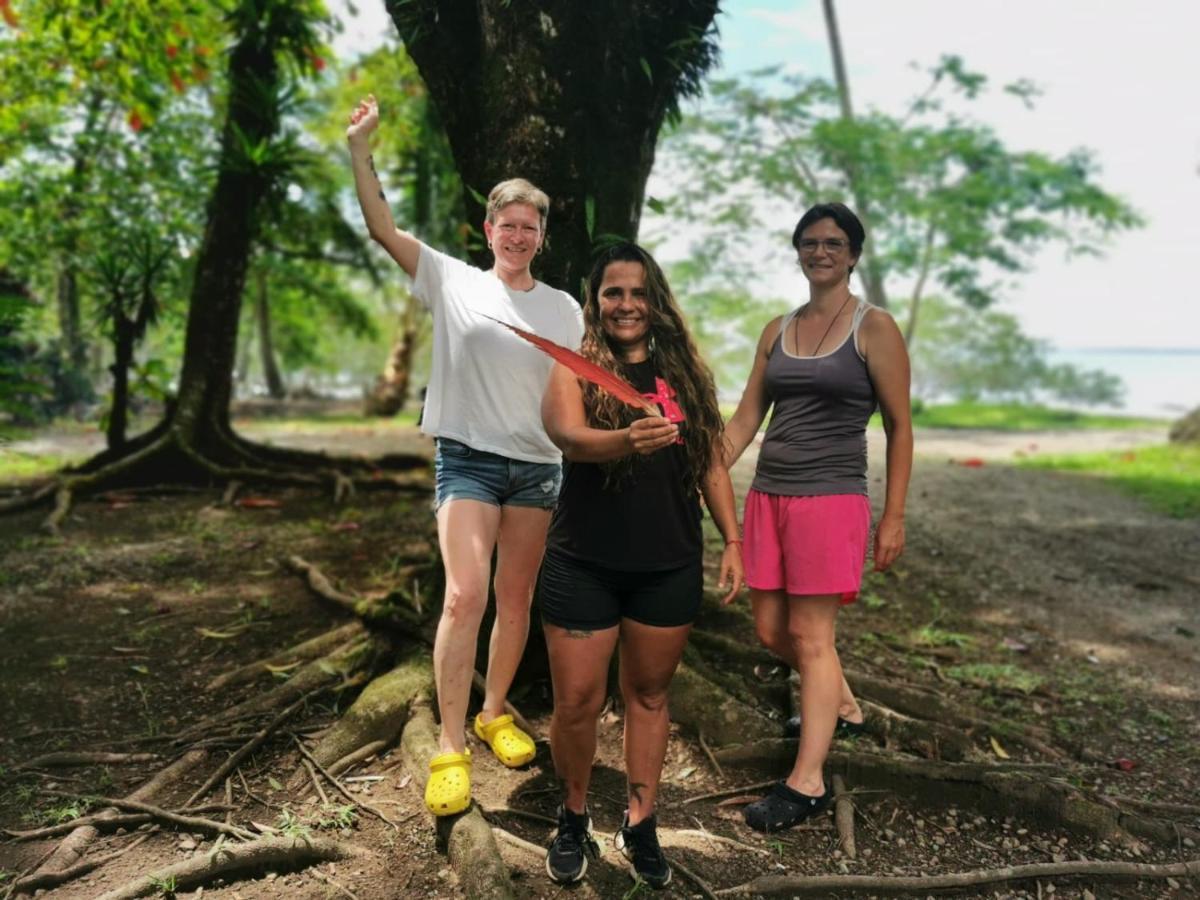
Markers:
point(783, 807)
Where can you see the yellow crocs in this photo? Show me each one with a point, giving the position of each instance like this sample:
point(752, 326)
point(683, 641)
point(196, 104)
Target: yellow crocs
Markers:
point(448, 790)
point(512, 746)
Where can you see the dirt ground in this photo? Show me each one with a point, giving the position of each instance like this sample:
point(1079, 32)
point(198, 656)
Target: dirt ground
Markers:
point(1040, 597)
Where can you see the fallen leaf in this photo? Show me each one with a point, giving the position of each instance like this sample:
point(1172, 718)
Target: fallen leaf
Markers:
point(287, 668)
point(265, 829)
point(686, 772)
point(740, 800)
point(1000, 751)
point(141, 670)
point(1015, 645)
point(275, 785)
point(973, 462)
point(257, 503)
point(216, 635)
point(345, 526)
point(1127, 456)
point(405, 781)
point(1124, 764)
point(120, 504)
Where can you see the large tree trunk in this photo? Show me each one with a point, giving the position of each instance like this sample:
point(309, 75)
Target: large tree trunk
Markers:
point(210, 345)
point(266, 345)
point(569, 95)
point(118, 416)
point(871, 275)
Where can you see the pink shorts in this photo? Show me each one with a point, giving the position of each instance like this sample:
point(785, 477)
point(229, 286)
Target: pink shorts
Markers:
point(806, 545)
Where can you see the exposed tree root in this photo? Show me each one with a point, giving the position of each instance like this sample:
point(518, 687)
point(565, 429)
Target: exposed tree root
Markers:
point(994, 790)
point(310, 649)
point(106, 823)
point(72, 848)
point(843, 817)
point(167, 455)
point(861, 885)
point(933, 707)
point(701, 705)
point(932, 740)
point(275, 853)
point(50, 760)
point(378, 715)
point(350, 760)
point(385, 612)
point(469, 840)
point(47, 880)
point(355, 655)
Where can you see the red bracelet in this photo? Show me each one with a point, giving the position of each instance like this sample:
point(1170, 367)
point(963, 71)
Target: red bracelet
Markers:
point(733, 541)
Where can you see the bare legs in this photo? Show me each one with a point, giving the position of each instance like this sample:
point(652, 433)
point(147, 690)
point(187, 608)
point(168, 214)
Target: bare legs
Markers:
point(467, 532)
point(800, 630)
point(579, 668)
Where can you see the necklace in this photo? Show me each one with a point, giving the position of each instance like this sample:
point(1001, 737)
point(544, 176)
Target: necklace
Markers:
point(827, 330)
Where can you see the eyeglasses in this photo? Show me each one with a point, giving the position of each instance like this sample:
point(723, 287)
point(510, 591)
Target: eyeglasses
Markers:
point(832, 246)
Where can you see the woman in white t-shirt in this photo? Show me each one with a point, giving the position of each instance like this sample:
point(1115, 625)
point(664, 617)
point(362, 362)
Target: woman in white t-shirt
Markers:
point(498, 474)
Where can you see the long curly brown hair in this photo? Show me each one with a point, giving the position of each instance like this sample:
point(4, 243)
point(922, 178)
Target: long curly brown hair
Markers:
point(675, 357)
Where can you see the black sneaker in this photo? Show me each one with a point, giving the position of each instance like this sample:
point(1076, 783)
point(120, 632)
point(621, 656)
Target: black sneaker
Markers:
point(566, 860)
point(639, 843)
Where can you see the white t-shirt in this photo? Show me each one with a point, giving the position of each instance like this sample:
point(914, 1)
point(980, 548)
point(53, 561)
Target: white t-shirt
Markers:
point(486, 385)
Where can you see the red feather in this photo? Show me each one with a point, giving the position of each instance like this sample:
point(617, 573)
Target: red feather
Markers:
point(585, 368)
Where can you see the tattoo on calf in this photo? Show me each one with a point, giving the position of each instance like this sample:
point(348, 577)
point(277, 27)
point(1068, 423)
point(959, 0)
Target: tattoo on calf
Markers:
point(635, 791)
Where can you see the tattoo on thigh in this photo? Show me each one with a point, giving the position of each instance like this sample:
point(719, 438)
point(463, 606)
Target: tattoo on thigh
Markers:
point(578, 633)
point(635, 791)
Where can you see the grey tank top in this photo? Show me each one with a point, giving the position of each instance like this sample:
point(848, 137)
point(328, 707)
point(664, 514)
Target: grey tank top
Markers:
point(816, 443)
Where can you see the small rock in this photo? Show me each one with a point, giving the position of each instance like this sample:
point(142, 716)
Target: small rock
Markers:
point(1173, 884)
point(271, 876)
point(1058, 857)
point(1050, 888)
point(1188, 842)
point(187, 844)
point(900, 842)
point(866, 852)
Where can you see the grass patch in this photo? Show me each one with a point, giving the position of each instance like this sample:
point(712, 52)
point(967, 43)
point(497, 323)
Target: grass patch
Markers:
point(1004, 675)
point(1018, 417)
point(930, 636)
point(16, 466)
point(1166, 476)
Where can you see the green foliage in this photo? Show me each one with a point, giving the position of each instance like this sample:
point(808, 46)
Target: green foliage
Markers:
point(290, 825)
point(1167, 476)
point(1017, 417)
point(972, 355)
point(949, 202)
point(164, 885)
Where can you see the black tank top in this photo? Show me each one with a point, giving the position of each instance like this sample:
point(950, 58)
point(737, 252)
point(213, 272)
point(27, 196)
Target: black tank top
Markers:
point(649, 521)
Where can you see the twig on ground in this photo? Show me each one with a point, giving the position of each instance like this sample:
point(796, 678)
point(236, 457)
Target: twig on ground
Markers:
point(195, 823)
point(693, 878)
point(731, 792)
point(519, 813)
point(336, 885)
point(711, 759)
point(249, 747)
point(859, 885)
point(337, 785)
point(511, 838)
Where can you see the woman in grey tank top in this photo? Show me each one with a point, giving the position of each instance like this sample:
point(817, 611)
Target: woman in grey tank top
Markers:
point(823, 369)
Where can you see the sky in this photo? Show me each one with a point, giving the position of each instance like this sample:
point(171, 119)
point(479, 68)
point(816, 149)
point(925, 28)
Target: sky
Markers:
point(1118, 79)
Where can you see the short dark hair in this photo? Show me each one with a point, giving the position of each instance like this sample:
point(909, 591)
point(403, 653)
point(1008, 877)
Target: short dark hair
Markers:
point(842, 215)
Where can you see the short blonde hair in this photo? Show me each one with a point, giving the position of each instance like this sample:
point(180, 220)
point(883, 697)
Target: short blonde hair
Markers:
point(517, 190)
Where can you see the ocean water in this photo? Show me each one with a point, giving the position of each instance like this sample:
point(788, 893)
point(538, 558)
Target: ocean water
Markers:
point(1160, 383)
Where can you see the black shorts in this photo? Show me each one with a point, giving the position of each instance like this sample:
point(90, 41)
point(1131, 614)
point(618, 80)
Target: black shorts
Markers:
point(586, 596)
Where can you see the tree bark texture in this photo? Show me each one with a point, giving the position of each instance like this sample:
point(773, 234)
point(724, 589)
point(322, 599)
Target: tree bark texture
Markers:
point(569, 95)
point(266, 345)
point(210, 345)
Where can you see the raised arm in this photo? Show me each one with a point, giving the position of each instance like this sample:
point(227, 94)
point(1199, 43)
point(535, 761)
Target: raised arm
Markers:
point(752, 408)
point(887, 364)
point(403, 247)
point(565, 422)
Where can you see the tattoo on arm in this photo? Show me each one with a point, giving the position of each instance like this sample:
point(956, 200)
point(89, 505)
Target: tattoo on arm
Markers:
point(578, 633)
point(382, 197)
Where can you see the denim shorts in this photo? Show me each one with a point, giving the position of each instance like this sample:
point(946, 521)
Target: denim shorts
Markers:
point(464, 473)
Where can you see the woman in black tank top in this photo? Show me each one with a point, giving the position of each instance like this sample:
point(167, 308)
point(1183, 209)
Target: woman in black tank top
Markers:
point(623, 556)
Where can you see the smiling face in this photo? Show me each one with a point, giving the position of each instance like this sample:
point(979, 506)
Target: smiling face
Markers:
point(824, 263)
point(514, 236)
point(624, 313)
